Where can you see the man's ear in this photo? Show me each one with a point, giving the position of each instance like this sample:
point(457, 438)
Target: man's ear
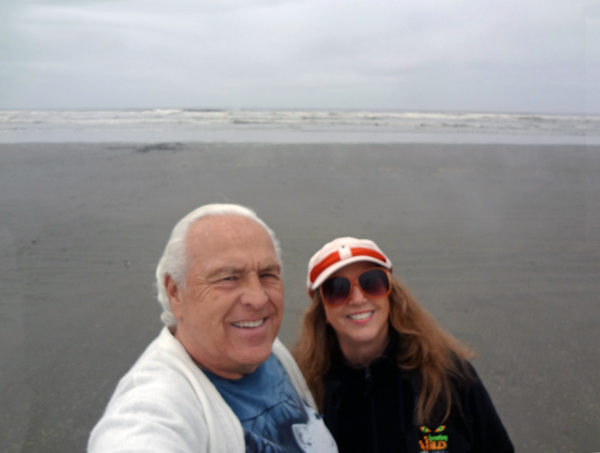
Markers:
point(174, 295)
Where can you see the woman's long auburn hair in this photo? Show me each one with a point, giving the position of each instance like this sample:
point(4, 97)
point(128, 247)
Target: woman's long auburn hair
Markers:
point(424, 346)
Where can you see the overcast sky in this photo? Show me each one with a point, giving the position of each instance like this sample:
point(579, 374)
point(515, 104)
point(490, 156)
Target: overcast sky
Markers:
point(466, 55)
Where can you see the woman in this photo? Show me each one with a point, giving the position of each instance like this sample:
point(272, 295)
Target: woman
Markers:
point(383, 372)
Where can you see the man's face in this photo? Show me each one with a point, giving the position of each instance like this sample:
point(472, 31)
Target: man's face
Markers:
point(230, 309)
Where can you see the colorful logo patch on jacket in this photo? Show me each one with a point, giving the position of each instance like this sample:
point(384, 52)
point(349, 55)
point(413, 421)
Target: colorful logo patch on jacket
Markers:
point(433, 439)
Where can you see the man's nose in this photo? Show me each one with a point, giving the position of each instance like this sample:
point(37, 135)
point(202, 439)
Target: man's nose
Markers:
point(356, 295)
point(254, 293)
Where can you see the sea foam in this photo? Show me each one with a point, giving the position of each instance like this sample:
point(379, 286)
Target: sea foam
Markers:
point(294, 126)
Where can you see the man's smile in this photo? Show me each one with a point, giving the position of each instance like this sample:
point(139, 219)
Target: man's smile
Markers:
point(249, 324)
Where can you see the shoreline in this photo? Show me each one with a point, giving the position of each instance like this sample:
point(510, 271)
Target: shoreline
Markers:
point(284, 136)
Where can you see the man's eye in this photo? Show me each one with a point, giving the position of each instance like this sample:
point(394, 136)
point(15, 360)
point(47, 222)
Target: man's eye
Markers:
point(231, 278)
point(269, 275)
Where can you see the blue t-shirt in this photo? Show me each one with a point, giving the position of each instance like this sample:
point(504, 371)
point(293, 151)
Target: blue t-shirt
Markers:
point(274, 417)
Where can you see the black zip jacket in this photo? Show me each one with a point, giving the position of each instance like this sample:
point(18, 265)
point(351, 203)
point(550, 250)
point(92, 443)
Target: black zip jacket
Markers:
point(372, 410)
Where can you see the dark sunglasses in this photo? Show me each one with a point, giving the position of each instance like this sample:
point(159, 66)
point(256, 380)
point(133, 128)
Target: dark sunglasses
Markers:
point(373, 282)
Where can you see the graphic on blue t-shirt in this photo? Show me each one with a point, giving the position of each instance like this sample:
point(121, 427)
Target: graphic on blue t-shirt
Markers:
point(274, 417)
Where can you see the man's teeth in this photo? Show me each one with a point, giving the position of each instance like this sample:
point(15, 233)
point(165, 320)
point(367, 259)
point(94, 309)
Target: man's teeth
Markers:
point(256, 323)
point(359, 316)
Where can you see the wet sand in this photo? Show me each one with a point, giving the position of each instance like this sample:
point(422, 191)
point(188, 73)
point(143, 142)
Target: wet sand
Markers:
point(500, 242)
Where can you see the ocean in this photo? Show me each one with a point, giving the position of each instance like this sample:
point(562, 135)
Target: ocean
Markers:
point(294, 126)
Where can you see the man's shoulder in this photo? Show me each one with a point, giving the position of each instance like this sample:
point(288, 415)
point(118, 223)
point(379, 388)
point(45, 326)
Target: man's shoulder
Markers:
point(163, 358)
point(163, 375)
point(156, 403)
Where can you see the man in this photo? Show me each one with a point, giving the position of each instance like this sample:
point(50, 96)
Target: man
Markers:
point(216, 379)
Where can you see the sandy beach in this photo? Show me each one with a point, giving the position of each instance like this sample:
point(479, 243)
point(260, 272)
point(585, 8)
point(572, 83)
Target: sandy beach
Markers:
point(501, 243)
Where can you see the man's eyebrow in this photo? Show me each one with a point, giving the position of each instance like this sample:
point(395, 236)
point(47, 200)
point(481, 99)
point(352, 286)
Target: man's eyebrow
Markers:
point(271, 267)
point(225, 270)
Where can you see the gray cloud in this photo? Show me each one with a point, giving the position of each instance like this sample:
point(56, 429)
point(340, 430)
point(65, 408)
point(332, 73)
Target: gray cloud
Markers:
point(416, 54)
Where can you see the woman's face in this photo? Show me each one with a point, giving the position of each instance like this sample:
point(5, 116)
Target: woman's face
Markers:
point(363, 320)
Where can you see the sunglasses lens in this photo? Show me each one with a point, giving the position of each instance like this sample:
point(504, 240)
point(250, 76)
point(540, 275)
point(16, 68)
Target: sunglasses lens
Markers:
point(374, 282)
point(335, 290)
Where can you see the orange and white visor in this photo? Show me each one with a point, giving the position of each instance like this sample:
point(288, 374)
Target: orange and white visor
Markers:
point(339, 253)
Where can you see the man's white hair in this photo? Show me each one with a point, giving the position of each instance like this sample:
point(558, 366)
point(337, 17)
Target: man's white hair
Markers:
point(174, 260)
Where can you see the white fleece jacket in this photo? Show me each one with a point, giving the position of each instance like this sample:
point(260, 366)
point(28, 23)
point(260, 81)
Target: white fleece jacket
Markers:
point(165, 403)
